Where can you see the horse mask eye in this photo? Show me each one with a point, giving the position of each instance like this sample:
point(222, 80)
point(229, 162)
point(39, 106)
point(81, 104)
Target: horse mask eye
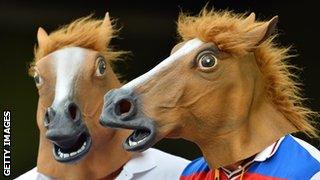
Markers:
point(207, 60)
point(101, 67)
point(37, 79)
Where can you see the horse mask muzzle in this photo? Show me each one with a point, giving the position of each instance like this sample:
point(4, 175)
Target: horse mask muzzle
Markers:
point(120, 110)
point(67, 131)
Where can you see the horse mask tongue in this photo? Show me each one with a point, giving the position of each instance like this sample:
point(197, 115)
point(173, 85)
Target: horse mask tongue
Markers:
point(72, 73)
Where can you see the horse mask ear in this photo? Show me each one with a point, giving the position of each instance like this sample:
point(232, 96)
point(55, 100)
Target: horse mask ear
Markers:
point(106, 30)
point(259, 34)
point(250, 19)
point(42, 37)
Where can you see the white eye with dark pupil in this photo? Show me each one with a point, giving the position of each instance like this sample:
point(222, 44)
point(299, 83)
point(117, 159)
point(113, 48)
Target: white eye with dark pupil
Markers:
point(101, 69)
point(207, 60)
point(37, 79)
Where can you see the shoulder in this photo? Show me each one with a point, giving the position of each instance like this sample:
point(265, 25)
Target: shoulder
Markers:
point(307, 156)
point(155, 164)
point(316, 176)
point(307, 148)
point(294, 158)
point(163, 158)
point(166, 162)
point(196, 166)
point(299, 153)
point(33, 174)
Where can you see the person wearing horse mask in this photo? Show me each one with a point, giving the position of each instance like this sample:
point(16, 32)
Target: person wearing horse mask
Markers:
point(72, 71)
point(227, 86)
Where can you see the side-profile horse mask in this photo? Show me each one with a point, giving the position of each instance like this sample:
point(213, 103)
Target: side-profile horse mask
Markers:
point(226, 87)
point(72, 72)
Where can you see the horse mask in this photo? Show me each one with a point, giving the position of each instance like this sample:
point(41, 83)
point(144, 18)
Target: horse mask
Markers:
point(72, 71)
point(226, 87)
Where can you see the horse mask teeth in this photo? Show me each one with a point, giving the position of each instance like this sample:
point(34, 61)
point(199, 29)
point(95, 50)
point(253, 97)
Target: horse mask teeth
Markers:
point(74, 153)
point(137, 137)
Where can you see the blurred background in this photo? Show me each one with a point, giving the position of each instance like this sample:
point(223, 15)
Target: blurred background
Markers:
point(149, 32)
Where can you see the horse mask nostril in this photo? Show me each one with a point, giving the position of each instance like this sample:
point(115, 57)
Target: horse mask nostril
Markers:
point(123, 107)
point(49, 115)
point(46, 119)
point(72, 110)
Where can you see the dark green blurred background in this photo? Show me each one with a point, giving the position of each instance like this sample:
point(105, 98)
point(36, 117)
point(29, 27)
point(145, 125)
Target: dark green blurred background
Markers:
point(149, 32)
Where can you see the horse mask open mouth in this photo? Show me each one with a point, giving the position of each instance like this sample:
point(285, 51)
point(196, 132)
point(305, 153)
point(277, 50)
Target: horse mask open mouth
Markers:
point(116, 114)
point(76, 151)
point(68, 133)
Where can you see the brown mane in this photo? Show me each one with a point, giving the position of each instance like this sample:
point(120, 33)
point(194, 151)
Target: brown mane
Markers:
point(84, 32)
point(228, 31)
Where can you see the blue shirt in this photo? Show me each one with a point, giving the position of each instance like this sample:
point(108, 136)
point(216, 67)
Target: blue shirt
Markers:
point(288, 158)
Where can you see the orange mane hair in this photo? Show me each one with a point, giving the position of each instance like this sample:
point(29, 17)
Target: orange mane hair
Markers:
point(228, 31)
point(84, 32)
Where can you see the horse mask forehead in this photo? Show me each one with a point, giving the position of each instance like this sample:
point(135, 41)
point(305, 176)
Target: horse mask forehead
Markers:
point(64, 66)
point(176, 55)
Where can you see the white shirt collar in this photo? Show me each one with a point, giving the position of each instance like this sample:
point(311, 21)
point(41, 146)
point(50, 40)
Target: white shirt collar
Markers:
point(269, 151)
point(260, 157)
